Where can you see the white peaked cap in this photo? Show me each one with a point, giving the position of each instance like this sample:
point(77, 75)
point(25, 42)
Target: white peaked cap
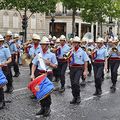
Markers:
point(1, 38)
point(100, 40)
point(45, 40)
point(90, 40)
point(35, 37)
point(54, 38)
point(58, 40)
point(16, 35)
point(76, 39)
point(62, 37)
point(9, 33)
point(49, 37)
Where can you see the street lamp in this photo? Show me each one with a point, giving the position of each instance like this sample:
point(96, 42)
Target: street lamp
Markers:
point(52, 20)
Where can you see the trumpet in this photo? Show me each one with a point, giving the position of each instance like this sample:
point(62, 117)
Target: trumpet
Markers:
point(68, 54)
point(114, 49)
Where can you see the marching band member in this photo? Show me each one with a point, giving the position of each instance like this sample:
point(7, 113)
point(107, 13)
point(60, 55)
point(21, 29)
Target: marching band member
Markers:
point(51, 62)
point(56, 71)
point(5, 59)
point(62, 62)
point(99, 63)
point(34, 49)
point(114, 61)
point(19, 46)
point(14, 52)
point(78, 66)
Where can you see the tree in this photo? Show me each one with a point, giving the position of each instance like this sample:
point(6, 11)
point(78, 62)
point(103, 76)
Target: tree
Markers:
point(33, 6)
point(97, 11)
point(73, 5)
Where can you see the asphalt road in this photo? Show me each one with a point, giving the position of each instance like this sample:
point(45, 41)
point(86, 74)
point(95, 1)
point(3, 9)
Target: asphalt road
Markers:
point(106, 107)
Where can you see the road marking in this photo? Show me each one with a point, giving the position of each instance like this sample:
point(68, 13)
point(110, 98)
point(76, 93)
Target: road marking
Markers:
point(84, 100)
point(90, 98)
point(17, 90)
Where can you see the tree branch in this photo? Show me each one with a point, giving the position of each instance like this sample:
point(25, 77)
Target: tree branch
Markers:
point(30, 15)
point(20, 13)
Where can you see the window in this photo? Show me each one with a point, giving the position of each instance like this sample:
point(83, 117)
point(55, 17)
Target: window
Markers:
point(33, 22)
point(5, 20)
point(15, 21)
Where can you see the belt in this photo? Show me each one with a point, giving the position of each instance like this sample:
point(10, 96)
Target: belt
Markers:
point(62, 60)
point(77, 65)
point(43, 71)
point(99, 61)
point(114, 58)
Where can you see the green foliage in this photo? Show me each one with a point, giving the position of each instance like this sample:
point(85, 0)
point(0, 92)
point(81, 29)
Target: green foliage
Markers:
point(97, 10)
point(31, 5)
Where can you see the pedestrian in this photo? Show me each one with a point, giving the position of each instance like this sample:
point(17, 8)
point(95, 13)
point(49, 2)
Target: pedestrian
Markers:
point(78, 67)
point(34, 49)
point(114, 62)
point(5, 59)
point(50, 62)
point(99, 63)
point(14, 52)
point(62, 62)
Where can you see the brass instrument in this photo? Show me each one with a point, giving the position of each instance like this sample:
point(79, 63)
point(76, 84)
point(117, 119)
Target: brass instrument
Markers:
point(114, 49)
point(68, 54)
point(26, 60)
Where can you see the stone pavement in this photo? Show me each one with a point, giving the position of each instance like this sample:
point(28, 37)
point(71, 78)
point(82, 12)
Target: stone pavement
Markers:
point(107, 107)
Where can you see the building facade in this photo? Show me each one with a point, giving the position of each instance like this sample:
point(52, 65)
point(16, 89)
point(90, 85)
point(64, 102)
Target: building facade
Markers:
point(63, 24)
point(11, 20)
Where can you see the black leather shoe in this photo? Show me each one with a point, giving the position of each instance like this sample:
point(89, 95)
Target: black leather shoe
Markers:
point(78, 100)
point(10, 90)
point(73, 101)
point(33, 97)
point(16, 75)
point(96, 93)
point(2, 105)
point(41, 112)
point(113, 88)
point(47, 112)
point(62, 89)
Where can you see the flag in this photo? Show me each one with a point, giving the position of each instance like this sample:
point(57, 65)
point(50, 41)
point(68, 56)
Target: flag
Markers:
point(94, 55)
point(3, 80)
point(41, 86)
point(41, 61)
point(58, 51)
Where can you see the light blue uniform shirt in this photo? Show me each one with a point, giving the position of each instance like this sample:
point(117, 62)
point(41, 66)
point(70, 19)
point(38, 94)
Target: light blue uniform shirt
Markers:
point(114, 54)
point(63, 50)
point(12, 47)
point(79, 57)
point(4, 54)
point(47, 56)
point(101, 53)
point(34, 52)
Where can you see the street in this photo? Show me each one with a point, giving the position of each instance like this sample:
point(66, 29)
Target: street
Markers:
point(106, 107)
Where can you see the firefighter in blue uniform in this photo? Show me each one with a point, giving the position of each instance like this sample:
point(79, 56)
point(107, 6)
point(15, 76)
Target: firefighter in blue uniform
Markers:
point(62, 62)
point(50, 62)
point(5, 59)
point(114, 61)
point(35, 48)
point(14, 52)
point(78, 67)
point(99, 63)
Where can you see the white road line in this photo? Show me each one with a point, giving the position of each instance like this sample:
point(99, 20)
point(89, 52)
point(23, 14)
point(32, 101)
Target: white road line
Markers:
point(17, 90)
point(84, 100)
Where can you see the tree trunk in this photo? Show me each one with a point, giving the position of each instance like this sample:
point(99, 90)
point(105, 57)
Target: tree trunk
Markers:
point(73, 22)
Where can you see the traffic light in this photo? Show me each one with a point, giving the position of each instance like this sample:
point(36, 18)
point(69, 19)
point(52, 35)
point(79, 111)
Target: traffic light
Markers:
point(24, 22)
